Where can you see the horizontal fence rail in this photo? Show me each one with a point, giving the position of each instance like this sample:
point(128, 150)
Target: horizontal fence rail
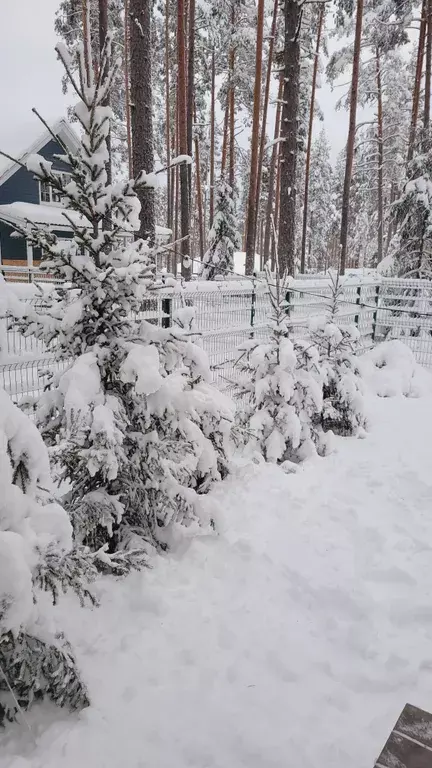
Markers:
point(224, 316)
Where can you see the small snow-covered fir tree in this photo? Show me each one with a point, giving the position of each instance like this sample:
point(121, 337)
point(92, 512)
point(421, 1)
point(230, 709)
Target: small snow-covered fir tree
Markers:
point(411, 246)
point(134, 424)
point(343, 409)
point(284, 382)
point(35, 532)
point(223, 236)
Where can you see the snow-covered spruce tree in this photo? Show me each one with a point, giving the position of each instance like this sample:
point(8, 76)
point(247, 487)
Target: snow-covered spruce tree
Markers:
point(134, 425)
point(223, 236)
point(35, 546)
point(343, 409)
point(284, 381)
point(411, 247)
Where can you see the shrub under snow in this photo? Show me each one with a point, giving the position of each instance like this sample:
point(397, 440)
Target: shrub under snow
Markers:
point(390, 369)
point(343, 409)
point(34, 529)
point(284, 381)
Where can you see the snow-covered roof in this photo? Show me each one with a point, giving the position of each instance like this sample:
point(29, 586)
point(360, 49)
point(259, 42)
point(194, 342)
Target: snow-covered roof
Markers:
point(61, 128)
point(54, 216)
point(49, 215)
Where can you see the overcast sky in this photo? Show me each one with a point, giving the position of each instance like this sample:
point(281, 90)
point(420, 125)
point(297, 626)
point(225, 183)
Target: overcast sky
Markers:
point(30, 76)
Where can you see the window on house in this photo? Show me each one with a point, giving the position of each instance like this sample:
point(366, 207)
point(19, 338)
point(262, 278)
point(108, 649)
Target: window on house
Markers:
point(50, 195)
point(45, 192)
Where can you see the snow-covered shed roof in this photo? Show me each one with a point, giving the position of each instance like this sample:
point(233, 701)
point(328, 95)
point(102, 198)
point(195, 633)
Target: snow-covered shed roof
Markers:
point(54, 216)
point(61, 128)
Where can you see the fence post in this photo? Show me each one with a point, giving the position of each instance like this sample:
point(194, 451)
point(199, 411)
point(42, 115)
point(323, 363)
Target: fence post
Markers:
point(375, 314)
point(288, 301)
point(358, 301)
point(253, 302)
point(166, 312)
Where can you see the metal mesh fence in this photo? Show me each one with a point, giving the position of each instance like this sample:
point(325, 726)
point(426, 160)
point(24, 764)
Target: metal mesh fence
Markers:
point(224, 318)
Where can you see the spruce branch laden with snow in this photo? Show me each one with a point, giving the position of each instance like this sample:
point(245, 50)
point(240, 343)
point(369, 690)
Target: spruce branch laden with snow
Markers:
point(343, 409)
point(134, 424)
point(33, 530)
point(284, 381)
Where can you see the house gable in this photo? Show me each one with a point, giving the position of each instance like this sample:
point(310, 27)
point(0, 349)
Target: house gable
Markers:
point(22, 185)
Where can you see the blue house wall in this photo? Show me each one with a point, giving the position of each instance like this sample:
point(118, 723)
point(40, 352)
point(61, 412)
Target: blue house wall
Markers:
point(23, 187)
point(12, 248)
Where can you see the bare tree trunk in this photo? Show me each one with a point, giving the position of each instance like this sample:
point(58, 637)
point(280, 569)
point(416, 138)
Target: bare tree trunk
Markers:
point(141, 98)
point(231, 99)
point(351, 138)
point(225, 138)
point(177, 189)
point(265, 110)
point(190, 90)
point(276, 217)
point(103, 31)
point(289, 130)
point(86, 36)
point(253, 177)
point(309, 140)
point(127, 88)
point(182, 129)
point(380, 249)
point(393, 193)
point(272, 174)
point(168, 116)
point(428, 65)
point(199, 199)
point(417, 82)
point(212, 137)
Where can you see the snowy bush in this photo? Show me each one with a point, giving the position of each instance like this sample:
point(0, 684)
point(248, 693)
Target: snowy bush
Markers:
point(284, 381)
point(134, 425)
point(343, 409)
point(390, 369)
point(33, 530)
point(223, 237)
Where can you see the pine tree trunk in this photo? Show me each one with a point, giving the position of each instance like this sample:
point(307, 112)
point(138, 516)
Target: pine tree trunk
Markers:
point(380, 249)
point(225, 138)
point(272, 174)
point(276, 217)
point(103, 31)
point(393, 194)
point(309, 141)
point(127, 88)
point(264, 114)
point(428, 66)
point(168, 116)
point(417, 82)
point(176, 189)
point(351, 137)
point(190, 90)
point(251, 210)
point(212, 137)
point(86, 36)
point(199, 199)
point(289, 130)
point(231, 96)
point(182, 129)
point(141, 98)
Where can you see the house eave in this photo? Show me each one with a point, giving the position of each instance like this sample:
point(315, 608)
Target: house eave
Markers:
point(62, 129)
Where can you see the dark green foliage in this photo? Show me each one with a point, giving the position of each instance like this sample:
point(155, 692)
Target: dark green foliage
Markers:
point(36, 671)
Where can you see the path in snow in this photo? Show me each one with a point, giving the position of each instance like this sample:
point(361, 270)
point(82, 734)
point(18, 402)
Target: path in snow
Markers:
point(292, 639)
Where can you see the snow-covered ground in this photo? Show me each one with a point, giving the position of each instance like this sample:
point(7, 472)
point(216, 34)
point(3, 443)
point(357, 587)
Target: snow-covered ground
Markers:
point(292, 638)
